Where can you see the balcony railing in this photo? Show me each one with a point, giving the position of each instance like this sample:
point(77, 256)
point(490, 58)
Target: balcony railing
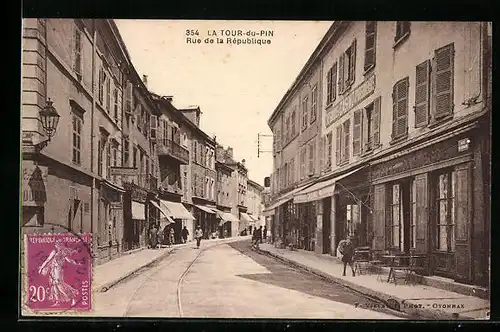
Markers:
point(172, 149)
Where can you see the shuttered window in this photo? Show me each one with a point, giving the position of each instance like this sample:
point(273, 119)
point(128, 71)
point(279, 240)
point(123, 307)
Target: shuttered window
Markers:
point(402, 29)
point(128, 97)
point(400, 109)
point(314, 103)
point(77, 64)
point(115, 103)
point(356, 132)
point(341, 73)
point(329, 86)
point(108, 93)
point(332, 84)
point(370, 44)
point(287, 132)
point(443, 82)
point(352, 63)
point(292, 171)
point(311, 159)
point(303, 162)
point(347, 68)
point(304, 113)
point(329, 139)
point(345, 143)
point(102, 77)
point(422, 81)
point(375, 123)
point(338, 145)
point(321, 153)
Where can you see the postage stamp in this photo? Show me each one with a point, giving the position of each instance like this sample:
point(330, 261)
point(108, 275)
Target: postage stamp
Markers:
point(59, 272)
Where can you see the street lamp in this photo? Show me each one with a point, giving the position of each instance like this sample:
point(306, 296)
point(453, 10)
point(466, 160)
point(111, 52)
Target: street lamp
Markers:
point(49, 118)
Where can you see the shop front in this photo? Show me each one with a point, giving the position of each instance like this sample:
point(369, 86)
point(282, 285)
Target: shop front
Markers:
point(135, 216)
point(246, 223)
point(206, 217)
point(431, 200)
point(225, 223)
point(179, 216)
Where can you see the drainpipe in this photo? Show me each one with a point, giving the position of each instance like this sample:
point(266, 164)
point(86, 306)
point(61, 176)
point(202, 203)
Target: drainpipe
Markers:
point(92, 139)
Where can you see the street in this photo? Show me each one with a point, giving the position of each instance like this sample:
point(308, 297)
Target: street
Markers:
point(232, 281)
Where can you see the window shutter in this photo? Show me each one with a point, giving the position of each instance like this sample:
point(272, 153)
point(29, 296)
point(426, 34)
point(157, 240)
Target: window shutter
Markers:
point(334, 82)
point(330, 146)
point(375, 124)
point(347, 125)
point(352, 63)
point(329, 86)
point(78, 51)
point(403, 107)
point(356, 132)
point(422, 93)
point(321, 152)
point(292, 167)
point(379, 213)
point(370, 48)
point(338, 145)
point(443, 85)
point(154, 126)
point(388, 215)
point(341, 73)
point(394, 110)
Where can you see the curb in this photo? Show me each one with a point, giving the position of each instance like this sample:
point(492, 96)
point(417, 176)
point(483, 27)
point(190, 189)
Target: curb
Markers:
point(398, 304)
point(105, 287)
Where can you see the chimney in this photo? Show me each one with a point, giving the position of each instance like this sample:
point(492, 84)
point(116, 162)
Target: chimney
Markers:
point(145, 80)
point(229, 152)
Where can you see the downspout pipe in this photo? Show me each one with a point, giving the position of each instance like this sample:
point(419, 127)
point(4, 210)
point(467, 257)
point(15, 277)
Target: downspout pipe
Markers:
point(92, 138)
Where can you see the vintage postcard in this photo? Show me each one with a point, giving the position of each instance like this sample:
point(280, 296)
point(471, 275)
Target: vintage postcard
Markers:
point(256, 169)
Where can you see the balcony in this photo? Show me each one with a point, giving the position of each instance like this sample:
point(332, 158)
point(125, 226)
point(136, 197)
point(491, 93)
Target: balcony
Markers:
point(167, 147)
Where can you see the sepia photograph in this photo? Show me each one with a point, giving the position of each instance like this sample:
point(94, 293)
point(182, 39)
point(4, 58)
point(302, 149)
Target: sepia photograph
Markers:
point(255, 169)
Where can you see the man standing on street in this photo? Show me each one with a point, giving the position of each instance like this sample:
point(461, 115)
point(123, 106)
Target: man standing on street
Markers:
point(264, 234)
point(184, 234)
point(198, 235)
point(346, 249)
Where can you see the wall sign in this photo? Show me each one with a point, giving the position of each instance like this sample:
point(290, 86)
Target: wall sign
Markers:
point(356, 96)
point(437, 152)
point(34, 185)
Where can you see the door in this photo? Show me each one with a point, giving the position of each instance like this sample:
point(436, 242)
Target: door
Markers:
point(406, 206)
point(327, 207)
point(340, 223)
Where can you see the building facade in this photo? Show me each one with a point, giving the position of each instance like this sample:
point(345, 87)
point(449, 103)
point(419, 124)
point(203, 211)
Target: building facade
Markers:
point(404, 142)
point(255, 203)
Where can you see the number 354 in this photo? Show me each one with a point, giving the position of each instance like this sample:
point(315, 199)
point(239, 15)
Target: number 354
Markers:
point(192, 32)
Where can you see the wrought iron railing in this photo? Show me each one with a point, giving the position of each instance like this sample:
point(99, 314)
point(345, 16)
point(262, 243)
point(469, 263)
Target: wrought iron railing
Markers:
point(173, 149)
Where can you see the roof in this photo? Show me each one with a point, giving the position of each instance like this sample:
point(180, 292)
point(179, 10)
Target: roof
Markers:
point(326, 41)
point(255, 184)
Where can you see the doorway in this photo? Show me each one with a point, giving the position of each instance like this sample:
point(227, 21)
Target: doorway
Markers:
point(327, 208)
point(340, 223)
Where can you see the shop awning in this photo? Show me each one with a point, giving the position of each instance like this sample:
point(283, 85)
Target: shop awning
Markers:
point(227, 216)
point(246, 217)
point(286, 197)
point(176, 210)
point(138, 211)
point(268, 212)
point(205, 209)
point(163, 209)
point(320, 190)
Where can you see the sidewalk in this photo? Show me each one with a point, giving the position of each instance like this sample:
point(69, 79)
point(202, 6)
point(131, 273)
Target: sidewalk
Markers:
point(419, 301)
point(113, 272)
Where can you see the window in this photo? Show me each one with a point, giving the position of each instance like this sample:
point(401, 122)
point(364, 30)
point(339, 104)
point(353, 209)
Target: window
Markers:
point(331, 84)
point(77, 139)
point(342, 142)
point(292, 171)
point(402, 30)
point(108, 160)
point(134, 157)
point(346, 129)
point(422, 90)
point(356, 132)
point(370, 44)
point(294, 120)
point(321, 153)
point(126, 152)
point(445, 203)
point(102, 78)
point(311, 158)
point(443, 82)
point(115, 106)
point(413, 214)
point(396, 217)
point(100, 154)
point(347, 68)
point(304, 113)
point(108, 93)
point(314, 97)
point(353, 219)
point(400, 109)
point(302, 163)
point(114, 160)
point(77, 64)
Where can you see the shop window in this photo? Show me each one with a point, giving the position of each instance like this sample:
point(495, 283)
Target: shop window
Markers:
point(331, 84)
point(353, 220)
point(413, 214)
point(445, 203)
point(396, 240)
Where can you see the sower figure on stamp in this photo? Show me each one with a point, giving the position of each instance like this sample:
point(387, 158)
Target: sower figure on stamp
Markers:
point(59, 291)
point(346, 249)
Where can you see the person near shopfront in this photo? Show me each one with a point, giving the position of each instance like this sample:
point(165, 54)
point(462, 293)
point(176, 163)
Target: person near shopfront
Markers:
point(264, 235)
point(184, 234)
point(198, 234)
point(153, 236)
point(346, 249)
point(171, 237)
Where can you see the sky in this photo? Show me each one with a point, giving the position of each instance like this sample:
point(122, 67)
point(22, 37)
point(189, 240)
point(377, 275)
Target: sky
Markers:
point(237, 87)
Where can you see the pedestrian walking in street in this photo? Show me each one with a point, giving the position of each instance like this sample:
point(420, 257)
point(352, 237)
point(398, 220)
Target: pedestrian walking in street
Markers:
point(346, 249)
point(172, 236)
point(264, 234)
point(184, 234)
point(153, 235)
point(198, 234)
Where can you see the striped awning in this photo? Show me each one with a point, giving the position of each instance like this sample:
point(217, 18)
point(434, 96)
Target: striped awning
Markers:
point(176, 210)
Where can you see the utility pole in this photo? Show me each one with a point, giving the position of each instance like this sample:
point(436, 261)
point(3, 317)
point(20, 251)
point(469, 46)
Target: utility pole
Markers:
point(259, 151)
